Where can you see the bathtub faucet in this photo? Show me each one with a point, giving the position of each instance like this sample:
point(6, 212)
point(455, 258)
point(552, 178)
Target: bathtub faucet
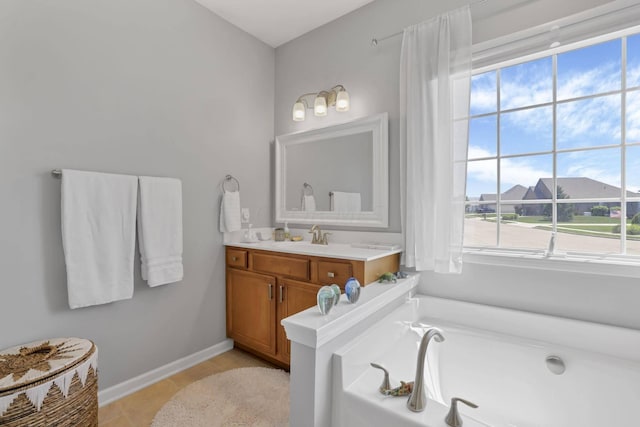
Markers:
point(418, 397)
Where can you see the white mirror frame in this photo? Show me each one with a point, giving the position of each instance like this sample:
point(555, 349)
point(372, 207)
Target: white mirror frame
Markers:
point(379, 217)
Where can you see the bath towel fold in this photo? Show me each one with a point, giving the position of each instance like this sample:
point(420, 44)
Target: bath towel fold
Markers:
point(160, 230)
point(98, 236)
point(308, 203)
point(345, 202)
point(230, 212)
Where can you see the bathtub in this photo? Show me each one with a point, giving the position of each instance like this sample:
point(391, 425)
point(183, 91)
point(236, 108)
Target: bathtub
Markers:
point(495, 358)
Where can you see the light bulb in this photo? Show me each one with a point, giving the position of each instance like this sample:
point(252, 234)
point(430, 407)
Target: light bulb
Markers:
point(320, 106)
point(298, 112)
point(342, 101)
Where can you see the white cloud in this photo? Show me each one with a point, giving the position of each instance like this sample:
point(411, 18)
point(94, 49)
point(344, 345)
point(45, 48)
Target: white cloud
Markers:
point(633, 116)
point(513, 171)
point(596, 121)
point(526, 84)
point(530, 121)
point(484, 95)
point(633, 75)
point(587, 82)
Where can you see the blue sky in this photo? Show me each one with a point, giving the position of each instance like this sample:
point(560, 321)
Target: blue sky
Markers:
point(592, 122)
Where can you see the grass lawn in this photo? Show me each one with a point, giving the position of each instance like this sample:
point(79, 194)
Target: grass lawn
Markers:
point(534, 219)
point(598, 228)
point(595, 220)
point(586, 230)
point(581, 231)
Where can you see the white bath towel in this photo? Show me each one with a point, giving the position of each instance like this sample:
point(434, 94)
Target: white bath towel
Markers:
point(308, 203)
point(160, 230)
point(98, 236)
point(230, 212)
point(345, 202)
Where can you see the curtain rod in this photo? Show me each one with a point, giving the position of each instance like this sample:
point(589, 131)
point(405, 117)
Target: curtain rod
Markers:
point(375, 41)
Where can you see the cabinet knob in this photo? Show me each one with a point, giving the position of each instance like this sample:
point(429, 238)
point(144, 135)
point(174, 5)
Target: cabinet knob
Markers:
point(281, 298)
point(331, 274)
point(234, 258)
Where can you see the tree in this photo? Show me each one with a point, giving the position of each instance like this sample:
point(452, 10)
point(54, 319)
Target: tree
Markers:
point(599, 210)
point(565, 210)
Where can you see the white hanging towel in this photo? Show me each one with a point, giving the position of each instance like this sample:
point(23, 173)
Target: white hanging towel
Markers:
point(98, 236)
point(160, 230)
point(230, 212)
point(308, 203)
point(345, 202)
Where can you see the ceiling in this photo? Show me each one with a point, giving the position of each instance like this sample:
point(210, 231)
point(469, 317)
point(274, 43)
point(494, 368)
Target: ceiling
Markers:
point(277, 21)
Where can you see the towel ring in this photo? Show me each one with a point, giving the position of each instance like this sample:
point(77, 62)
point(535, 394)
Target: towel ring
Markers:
point(228, 179)
point(307, 187)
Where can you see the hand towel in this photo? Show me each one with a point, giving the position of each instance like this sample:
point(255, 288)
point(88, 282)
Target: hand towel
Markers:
point(345, 202)
point(98, 236)
point(308, 203)
point(230, 212)
point(160, 230)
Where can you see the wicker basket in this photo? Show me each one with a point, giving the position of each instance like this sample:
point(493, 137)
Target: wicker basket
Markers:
point(50, 383)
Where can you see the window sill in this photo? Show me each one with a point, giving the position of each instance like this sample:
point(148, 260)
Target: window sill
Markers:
point(575, 263)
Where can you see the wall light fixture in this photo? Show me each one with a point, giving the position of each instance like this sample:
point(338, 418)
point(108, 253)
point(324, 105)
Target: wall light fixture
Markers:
point(336, 96)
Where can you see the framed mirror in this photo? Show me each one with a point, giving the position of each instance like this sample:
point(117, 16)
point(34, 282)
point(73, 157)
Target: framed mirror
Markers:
point(337, 175)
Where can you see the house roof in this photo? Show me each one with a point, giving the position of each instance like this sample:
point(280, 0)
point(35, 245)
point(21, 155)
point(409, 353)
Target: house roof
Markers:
point(514, 193)
point(585, 188)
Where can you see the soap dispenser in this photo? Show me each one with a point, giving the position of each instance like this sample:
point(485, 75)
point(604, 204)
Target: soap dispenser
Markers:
point(248, 235)
point(287, 233)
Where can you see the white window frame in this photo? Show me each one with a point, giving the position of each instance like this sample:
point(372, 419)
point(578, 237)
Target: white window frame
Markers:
point(588, 29)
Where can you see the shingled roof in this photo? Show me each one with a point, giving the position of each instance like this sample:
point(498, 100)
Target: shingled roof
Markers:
point(583, 188)
point(514, 193)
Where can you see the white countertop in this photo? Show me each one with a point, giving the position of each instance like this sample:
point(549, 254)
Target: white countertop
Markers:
point(332, 250)
point(312, 329)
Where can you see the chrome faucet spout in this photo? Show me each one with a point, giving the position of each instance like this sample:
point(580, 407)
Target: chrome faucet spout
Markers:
point(318, 237)
point(418, 398)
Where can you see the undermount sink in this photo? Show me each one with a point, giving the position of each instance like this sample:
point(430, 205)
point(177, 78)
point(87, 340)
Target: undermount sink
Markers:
point(303, 245)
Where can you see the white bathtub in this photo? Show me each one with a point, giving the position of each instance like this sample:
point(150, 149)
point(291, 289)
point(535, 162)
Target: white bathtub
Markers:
point(495, 358)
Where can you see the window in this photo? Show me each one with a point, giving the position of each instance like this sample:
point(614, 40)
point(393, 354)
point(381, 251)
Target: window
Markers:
point(554, 149)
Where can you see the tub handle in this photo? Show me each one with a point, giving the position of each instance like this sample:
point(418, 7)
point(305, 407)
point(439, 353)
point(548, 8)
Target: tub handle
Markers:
point(386, 385)
point(453, 417)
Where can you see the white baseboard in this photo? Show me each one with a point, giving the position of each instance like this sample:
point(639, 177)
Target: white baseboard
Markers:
point(125, 388)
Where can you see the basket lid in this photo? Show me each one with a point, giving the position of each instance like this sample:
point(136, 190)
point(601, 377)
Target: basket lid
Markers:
point(29, 363)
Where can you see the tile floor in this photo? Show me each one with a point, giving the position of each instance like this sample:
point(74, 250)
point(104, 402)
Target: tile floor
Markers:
point(139, 408)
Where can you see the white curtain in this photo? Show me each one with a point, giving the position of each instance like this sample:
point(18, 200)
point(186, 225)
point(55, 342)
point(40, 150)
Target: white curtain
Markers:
point(435, 73)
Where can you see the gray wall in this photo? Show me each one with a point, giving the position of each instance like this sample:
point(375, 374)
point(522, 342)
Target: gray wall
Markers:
point(340, 53)
point(153, 87)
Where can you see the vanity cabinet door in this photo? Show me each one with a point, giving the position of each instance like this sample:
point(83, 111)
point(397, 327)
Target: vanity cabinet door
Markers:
point(293, 297)
point(251, 310)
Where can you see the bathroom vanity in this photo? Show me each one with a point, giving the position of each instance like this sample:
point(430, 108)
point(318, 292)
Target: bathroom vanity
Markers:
point(269, 281)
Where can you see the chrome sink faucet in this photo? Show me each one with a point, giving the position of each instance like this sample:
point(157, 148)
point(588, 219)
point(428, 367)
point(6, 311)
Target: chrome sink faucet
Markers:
point(318, 237)
point(418, 397)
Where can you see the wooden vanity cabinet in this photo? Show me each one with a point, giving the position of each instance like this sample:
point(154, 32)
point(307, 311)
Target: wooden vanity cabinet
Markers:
point(264, 287)
point(251, 310)
point(293, 297)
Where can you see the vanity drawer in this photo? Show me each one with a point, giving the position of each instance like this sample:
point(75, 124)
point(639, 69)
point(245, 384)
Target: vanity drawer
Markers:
point(334, 272)
point(236, 258)
point(295, 268)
